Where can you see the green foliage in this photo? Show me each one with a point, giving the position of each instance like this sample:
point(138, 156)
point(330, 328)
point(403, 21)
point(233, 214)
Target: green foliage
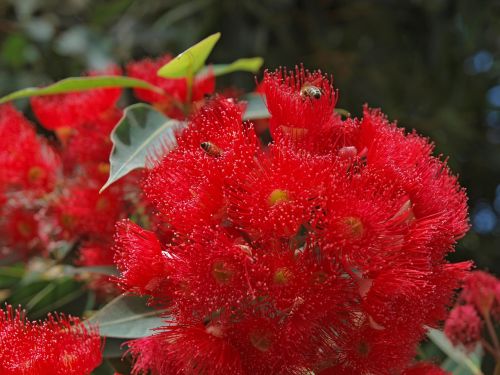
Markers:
point(100, 270)
point(248, 64)
point(141, 133)
point(13, 49)
point(42, 296)
point(189, 62)
point(11, 275)
point(127, 317)
point(79, 84)
point(457, 361)
point(256, 108)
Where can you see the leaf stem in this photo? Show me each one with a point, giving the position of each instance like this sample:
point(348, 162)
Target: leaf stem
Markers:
point(497, 368)
point(189, 81)
point(489, 348)
point(492, 333)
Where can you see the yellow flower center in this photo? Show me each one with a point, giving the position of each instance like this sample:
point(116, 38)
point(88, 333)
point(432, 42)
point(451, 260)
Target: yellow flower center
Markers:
point(278, 196)
point(354, 226)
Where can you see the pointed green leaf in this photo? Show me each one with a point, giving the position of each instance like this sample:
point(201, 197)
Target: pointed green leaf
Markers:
point(189, 62)
point(256, 107)
point(141, 133)
point(41, 296)
point(470, 364)
point(248, 64)
point(128, 317)
point(79, 84)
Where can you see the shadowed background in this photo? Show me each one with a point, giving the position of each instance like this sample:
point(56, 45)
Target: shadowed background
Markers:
point(432, 64)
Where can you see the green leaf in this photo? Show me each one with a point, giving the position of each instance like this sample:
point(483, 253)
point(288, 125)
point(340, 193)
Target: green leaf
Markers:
point(80, 84)
point(457, 360)
point(114, 348)
point(248, 64)
point(460, 368)
point(256, 107)
point(13, 50)
point(41, 296)
point(189, 62)
point(141, 133)
point(128, 317)
point(62, 250)
point(10, 259)
point(11, 275)
point(101, 270)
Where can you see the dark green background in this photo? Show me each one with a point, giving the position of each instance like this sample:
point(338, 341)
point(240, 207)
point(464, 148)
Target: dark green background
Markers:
point(434, 65)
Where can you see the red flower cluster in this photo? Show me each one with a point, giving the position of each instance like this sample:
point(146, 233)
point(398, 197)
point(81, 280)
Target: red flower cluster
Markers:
point(78, 108)
point(59, 181)
point(51, 189)
point(28, 172)
point(57, 346)
point(477, 309)
point(323, 251)
point(26, 161)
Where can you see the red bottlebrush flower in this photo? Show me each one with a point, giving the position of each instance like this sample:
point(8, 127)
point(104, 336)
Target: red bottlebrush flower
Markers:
point(424, 368)
point(98, 254)
point(19, 229)
point(146, 70)
point(204, 84)
point(393, 292)
point(369, 350)
point(463, 326)
point(95, 254)
point(269, 345)
point(70, 110)
point(217, 278)
point(83, 210)
point(186, 192)
point(211, 273)
point(370, 218)
point(90, 143)
point(324, 253)
point(282, 192)
point(302, 105)
point(26, 161)
point(57, 346)
point(172, 354)
point(187, 185)
point(140, 259)
point(433, 192)
point(446, 278)
point(151, 355)
point(175, 89)
point(482, 291)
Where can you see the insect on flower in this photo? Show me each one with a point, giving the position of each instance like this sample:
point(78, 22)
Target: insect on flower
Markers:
point(211, 149)
point(303, 255)
point(310, 91)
